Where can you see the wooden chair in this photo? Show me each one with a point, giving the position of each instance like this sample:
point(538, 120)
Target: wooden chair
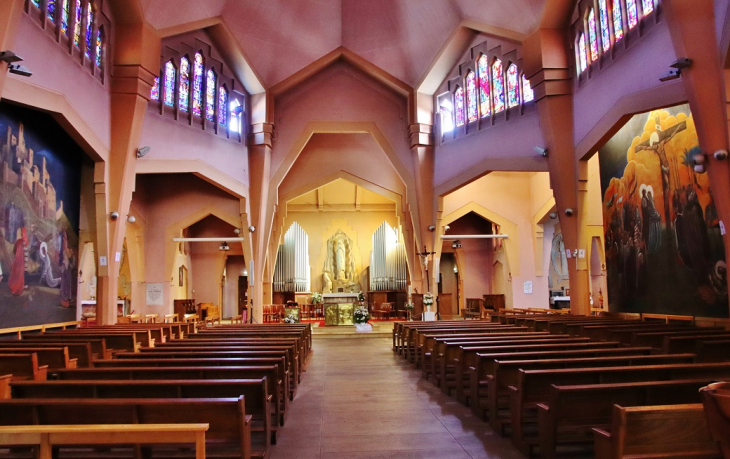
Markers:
point(384, 311)
point(716, 400)
point(473, 309)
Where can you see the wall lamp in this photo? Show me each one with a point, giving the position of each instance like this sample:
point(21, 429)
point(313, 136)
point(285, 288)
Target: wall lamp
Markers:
point(251, 229)
point(13, 67)
point(10, 57)
point(676, 69)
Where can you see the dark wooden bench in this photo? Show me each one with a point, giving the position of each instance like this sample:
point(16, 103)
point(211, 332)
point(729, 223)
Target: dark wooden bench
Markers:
point(675, 344)
point(656, 432)
point(117, 340)
point(23, 366)
point(76, 350)
point(98, 346)
point(53, 357)
point(229, 431)
point(713, 351)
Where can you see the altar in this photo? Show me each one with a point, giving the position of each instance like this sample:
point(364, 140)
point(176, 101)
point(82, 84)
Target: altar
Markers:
point(339, 308)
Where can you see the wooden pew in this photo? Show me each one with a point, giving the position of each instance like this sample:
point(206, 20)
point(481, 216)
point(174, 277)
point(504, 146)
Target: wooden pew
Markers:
point(98, 346)
point(274, 374)
point(229, 431)
point(533, 386)
point(674, 344)
point(52, 357)
point(22, 367)
point(713, 351)
point(417, 337)
point(48, 438)
point(716, 403)
point(506, 373)
point(572, 412)
point(254, 391)
point(80, 351)
point(127, 341)
point(658, 431)
point(623, 332)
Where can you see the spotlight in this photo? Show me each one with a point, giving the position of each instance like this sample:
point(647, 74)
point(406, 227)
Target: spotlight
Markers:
point(446, 228)
point(553, 215)
point(18, 69)
point(721, 155)
point(456, 244)
point(681, 63)
point(432, 228)
point(542, 151)
point(237, 230)
point(10, 57)
point(224, 246)
point(143, 151)
point(114, 216)
point(569, 212)
point(131, 219)
point(251, 229)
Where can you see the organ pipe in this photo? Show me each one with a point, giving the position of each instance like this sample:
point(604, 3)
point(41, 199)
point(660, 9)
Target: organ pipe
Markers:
point(388, 268)
point(292, 272)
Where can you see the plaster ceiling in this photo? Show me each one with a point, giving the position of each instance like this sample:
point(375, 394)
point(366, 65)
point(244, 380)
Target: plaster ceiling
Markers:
point(403, 37)
point(340, 195)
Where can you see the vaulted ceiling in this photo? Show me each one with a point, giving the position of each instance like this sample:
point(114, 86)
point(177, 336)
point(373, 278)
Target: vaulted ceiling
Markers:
point(402, 37)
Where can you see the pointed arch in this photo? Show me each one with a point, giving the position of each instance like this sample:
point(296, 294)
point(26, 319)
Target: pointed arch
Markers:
point(459, 102)
point(618, 21)
point(183, 102)
point(64, 17)
point(170, 79)
point(498, 86)
point(632, 13)
point(528, 95)
point(582, 59)
point(513, 86)
point(198, 71)
point(485, 103)
point(648, 6)
point(77, 23)
point(100, 38)
point(89, 28)
point(51, 10)
point(592, 36)
point(472, 111)
point(210, 91)
point(223, 105)
point(605, 30)
point(446, 110)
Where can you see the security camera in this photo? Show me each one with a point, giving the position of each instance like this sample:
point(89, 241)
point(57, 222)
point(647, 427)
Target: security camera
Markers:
point(142, 151)
point(721, 155)
point(672, 74)
point(553, 215)
point(251, 229)
point(569, 212)
point(446, 228)
point(114, 215)
point(432, 228)
point(19, 70)
point(542, 151)
point(237, 230)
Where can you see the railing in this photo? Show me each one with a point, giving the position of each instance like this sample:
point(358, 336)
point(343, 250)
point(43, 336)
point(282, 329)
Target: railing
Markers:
point(38, 328)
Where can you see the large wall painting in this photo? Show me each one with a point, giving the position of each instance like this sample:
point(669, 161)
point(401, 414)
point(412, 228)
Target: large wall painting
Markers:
point(664, 250)
point(39, 218)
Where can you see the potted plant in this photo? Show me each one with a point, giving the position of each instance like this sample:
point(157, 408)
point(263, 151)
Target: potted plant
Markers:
point(361, 317)
point(428, 301)
point(316, 298)
point(360, 297)
point(290, 319)
point(409, 309)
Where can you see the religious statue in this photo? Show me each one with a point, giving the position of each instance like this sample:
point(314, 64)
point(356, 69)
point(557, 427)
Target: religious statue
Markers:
point(339, 268)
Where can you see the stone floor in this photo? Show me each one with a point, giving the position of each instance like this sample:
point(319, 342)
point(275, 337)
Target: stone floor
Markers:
point(360, 400)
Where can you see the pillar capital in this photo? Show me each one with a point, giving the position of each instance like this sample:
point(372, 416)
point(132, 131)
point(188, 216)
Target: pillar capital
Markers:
point(420, 134)
point(261, 134)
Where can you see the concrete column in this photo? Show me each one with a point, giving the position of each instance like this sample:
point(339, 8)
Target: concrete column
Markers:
point(421, 140)
point(12, 11)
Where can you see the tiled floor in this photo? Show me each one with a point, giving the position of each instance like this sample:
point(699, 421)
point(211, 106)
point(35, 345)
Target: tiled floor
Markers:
point(360, 400)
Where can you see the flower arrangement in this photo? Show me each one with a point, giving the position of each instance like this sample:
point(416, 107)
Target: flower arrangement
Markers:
point(428, 299)
point(361, 315)
point(410, 306)
point(290, 319)
point(360, 296)
point(316, 298)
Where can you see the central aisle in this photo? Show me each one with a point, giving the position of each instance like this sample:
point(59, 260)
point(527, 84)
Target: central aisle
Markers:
point(360, 400)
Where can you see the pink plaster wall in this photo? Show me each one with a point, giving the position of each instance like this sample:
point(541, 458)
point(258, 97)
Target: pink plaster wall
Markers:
point(55, 70)
point(208, 262)
point(235, 266)
point(475, 255)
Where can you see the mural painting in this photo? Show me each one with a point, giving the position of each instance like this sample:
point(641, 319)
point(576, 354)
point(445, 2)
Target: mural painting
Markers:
point(664, 249)
point(39, 219)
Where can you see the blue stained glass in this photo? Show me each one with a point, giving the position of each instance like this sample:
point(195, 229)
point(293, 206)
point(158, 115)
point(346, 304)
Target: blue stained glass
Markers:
point(618, 21)
point(184, 94)
point(605, 32)
point(528, 95)
point(485, 106)
point(89, 29)
point(592, 39)
point(648, 6)
point(513, 86)
point(459, 97)
point(471, 97)
point(198, 85)
point(77, 23)
point(632, 12)
point(37, 3)
point(51, 13)
point(155, 91)
point(222, 106)
point(170, 84)
point(498, 86)
point(210, 96)
point(99, 46)
point(64, 17)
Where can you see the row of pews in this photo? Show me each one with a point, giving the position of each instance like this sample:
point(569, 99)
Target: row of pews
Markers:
point(565, 385)
point(226, 389)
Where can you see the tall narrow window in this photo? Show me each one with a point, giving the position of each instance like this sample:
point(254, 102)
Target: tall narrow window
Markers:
point(183, 100)
point(592, 39)
point(155, 91)
point(89, 29)
point(51, 13)
point(528, 95)
point(513, 86)
point(446, 108)
point(459, 98)
point(198, 84)
point(77, 23)
point(222, 106)
point(64, 17)
point(210, 96)
point(485, 104)
point(632, 13)
point(236, 109)
point(498, 86)
point(618, 21)
point(170, 84)
point(648, 6)
point(37, 3)
point(582, 58)
point(605, 32)
point(471, 97)
point(99, 45)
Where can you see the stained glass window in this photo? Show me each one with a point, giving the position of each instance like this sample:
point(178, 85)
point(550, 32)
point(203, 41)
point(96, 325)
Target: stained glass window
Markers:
point(236, 109)
point(498, 86)
point(77, 23)
point(459, 98)
point(528, 95)
point(447, 114)
point(618, 21)
point(648, 6)
point(593, 40)
point(155, 91)
point(222, 106)
point(513, 86)
point(605, 32)
point(51, 13)
point(471, 97)
point(198, 85)
point(64, 17)
point(170, 84)
point(183, 100)
point(36, 3)
point(89, 29)
point(485, 107)
point(582, 58)
point(99, 46)
point(210, 96)
point(632, 12)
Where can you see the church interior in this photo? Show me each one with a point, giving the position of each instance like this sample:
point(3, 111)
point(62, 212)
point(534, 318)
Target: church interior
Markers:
point(348, 229)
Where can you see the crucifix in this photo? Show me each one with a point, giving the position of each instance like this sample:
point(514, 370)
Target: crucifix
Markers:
point(657, 143)
point(425, 254)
